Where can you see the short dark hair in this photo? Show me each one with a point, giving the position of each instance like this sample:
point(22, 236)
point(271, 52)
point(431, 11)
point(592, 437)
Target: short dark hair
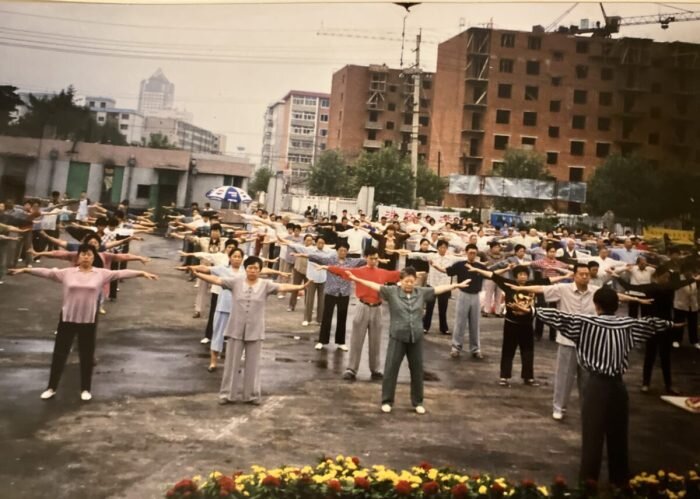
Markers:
point(552, 246)
point(472, 247)
point(342, 244)
point(518, 247)
point(592, 264)
point(607, 300)
point(101, 222)
point(371, 251)
point(407, 271)
point(90, 236)
point(253, 260)
point(86, 248)
point(520, 269)
point(320, 236)
point(442, 242)
point(580, 266)
point(424, 240)
point(215, 227)
point(231, 241)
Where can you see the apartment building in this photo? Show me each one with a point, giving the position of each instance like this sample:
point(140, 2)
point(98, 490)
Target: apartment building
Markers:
point(183, 135)
point(129, 121)
point(372, 107)
point(573, 99)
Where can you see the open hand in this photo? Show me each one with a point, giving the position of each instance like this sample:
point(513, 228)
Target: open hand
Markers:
point(149, 276)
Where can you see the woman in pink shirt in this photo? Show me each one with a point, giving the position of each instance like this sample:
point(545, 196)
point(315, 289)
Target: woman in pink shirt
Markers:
point(81, 290)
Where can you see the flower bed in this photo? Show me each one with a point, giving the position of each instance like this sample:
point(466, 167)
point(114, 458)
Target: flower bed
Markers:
point(344, 478)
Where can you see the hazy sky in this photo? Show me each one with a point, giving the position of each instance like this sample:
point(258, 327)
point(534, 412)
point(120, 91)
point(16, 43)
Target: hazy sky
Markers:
point(228, 62)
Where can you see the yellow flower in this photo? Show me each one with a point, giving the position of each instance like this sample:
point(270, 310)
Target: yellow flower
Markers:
point(340, 458)
point(661, 474)
point(543, 490)
point(214, 475)
point(433, 473)
point(197, 478)
point(483, 490)
point(681, 493)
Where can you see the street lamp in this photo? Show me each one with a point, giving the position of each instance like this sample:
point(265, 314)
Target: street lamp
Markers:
point(482, 184)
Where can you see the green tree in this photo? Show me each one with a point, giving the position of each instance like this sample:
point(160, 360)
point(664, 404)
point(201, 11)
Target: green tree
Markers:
point(330, 176)
point(57, 114)
point(430, 186)
point(518, 163)
point(159, 141)
point(259, 182)
point(389, 174)
point(9, 100)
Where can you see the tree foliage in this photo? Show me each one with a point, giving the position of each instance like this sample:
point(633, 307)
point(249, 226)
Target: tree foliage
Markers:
point(390, 175)
point(330, 176)
point(59, 117)
point(9, 100)
point(260, 180)
point(518, 163)
point(159, 141)
point(430, 186)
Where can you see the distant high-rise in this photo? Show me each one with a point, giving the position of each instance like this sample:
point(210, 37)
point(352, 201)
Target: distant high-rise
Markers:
point(156, 94)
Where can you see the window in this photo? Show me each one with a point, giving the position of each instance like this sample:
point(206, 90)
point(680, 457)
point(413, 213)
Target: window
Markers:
point(322, 146)
point(92, 103)
point(325, 102)
point(653, 139)
point(473, 168)
point(423, 120)
point(504, 90)
point(423, 139)
point(580, 96)
point(556, 81)
point(143, 191)
point(388, 143)
point(497, 167)
point(534, 42)
point(427, 84)
point(424, 102)
point(655, 112)
point(389, 125)
point(555, 106)
point(581, 47)
point(602, 149)
point(505, 65)
point(606, 74)
point(606, 48)
point(553, 131)
point(558, 55)
point(298, 100)
point(324, 118)
point(310, 101)
point(577, 148)
point(575, 174)
point(605, 98)
point(500, 142)
point(103, 105)
point(100, 118)
point(603, 124)
point(324, 132)
point(581, 72)
point(578, 122)
point(372, 134)
point(391, 106)
point(123, 127)
point(532, 93)
point(392, 88)
point(125, 116)
point(529, 118)
point(528, 141)
point(508, 40)
point(552, 158)
point(503, 116)
point(532, 67)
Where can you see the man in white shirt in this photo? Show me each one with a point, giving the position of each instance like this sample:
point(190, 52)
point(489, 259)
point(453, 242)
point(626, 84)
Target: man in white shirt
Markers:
point(355, 238)
point(639, 274)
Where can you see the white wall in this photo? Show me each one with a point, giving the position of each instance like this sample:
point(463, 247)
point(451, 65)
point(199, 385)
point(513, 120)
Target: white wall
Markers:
point(204, 183)
point(147, 176)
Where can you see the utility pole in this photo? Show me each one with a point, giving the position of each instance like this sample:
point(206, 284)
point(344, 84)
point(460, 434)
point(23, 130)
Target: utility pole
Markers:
point(416, 117)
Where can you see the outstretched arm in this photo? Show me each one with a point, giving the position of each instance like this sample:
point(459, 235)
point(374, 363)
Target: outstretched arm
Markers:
point(449, 287)
point(369, 284)
point(285, 288)
point(53, 240)
point(208, 278)
point(527, 289)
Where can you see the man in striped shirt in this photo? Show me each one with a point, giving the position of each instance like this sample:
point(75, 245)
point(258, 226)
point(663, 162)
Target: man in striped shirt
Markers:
point(603, 344)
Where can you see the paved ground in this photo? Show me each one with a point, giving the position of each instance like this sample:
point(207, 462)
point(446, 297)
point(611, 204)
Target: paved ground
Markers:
point(154, 416)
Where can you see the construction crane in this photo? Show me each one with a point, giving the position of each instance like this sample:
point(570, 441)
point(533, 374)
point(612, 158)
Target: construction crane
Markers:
point(554, 23)
point(613, 23)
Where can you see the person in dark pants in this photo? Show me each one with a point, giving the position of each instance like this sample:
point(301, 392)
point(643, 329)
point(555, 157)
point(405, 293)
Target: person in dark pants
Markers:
point(517, 327)
point(81, 289)
point(661, 290)
point(603, 343)
point(406, 303)
point(336, 294)
point(685, 308)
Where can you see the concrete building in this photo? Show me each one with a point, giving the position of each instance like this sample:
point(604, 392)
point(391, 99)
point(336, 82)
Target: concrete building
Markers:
point(573, 99)
point(129, 121)
point(372, 107)
point(156, 93)
point(295, 134)
point(183, 135)
point(149, 178)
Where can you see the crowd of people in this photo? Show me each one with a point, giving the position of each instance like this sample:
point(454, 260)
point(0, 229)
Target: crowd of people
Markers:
point(529, 278)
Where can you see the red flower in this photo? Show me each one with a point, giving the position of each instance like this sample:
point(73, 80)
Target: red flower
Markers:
point(226, 485)
point(361, 483)
point(184, 484)
point(560, 481)
point(271, 481)
point(403, 488)
point(460, 491)
point(304, 478)
point(356, 460)
point(425, 465)
point(334, 485)
point(497, 488)
point(170, 493)
point(431, 488)
point(528, 483)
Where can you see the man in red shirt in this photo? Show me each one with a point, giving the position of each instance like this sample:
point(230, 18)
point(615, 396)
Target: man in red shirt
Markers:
point(368, 316)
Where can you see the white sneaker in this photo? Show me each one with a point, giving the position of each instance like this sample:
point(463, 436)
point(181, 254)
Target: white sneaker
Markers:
point(557, 415)
point(280, 297)
point(420, 409)
point(204, 341)
point(696, 345)
point(386, 408)
point(196, 284)
point(676, 344)
point(2, 282)
point(344, 348)
point(305, 323)
point(85, 395)
point(102, 311)
point(48, 394)
point(319, 346)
